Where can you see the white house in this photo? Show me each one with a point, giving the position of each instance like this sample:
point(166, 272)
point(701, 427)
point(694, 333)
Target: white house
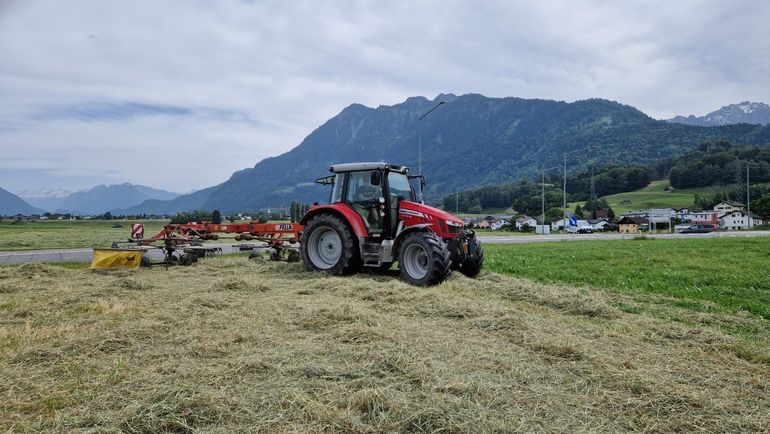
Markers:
point(525, 220)
point(557, 224)
point(498, 223)
point(701, 217)
point(729, 206)
point(739, 220)
point(682, 214)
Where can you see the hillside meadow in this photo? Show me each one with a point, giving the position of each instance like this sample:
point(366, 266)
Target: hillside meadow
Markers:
point(233, 345)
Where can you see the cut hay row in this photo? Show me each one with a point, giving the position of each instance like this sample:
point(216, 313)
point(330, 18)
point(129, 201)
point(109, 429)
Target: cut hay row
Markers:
point(231, 345)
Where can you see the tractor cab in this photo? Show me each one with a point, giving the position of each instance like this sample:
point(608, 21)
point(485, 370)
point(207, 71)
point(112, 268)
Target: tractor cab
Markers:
point(374, 219)
point(374, 191)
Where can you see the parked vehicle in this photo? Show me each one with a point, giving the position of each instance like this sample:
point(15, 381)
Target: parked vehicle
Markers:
point(700, 229)
point(580, 229)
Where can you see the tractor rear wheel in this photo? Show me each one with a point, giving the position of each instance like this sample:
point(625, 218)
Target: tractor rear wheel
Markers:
point(424, 259)
point(328, 245)
point(473, 262)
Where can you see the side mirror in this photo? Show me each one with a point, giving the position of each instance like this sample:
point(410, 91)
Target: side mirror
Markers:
point(376, 178)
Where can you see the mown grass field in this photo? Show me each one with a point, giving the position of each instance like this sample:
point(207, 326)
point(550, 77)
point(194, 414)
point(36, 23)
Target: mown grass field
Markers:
point(63, 234)
point(232, 345)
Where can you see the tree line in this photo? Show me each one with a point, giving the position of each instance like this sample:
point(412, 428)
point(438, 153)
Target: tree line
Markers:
point(720, 163)
point(525, 196)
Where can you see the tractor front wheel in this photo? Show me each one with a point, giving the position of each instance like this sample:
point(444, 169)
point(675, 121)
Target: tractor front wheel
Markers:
point(424, 259)
point(328, 245)
point(474, 260)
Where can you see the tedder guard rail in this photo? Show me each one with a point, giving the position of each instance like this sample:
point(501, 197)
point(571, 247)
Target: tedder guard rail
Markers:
point(274, 234)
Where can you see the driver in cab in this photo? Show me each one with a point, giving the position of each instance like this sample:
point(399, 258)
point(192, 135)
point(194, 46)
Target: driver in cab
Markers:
point(365, 202)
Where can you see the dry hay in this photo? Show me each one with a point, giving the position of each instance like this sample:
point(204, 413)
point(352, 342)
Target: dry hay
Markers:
point(230, 345)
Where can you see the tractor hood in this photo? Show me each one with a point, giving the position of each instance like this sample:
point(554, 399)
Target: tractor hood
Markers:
point(428, 214)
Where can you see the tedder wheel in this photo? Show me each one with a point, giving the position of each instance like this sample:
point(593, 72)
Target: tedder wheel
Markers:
point(327, 244)
point(293, 256)
point(185, 260)
point(471, 265)
point(424, 259)
point(146, 262)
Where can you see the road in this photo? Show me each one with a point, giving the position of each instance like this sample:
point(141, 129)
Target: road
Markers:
point(84, 255)
point(502, 239)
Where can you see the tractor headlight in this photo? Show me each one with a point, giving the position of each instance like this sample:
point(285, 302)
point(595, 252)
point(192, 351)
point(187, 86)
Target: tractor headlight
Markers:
point(454, 224)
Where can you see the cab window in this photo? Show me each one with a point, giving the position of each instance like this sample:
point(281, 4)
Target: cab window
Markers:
point(399, 186)
point(339, 180)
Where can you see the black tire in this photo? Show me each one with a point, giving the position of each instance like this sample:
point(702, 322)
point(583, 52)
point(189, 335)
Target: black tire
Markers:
point(424, 259)
point(186, 260)
point(328, 244)
point(146, 262)
point(472, 264)
point(293, 256)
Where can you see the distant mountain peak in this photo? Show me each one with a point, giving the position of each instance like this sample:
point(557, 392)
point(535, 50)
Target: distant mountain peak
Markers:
point(104, 198)
point(745, 112)
point(448, 97)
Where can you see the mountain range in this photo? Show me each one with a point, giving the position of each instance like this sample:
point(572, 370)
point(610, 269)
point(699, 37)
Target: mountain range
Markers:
point(745, 112)
point(103, 198)
point(470, 141)
point(98, 200)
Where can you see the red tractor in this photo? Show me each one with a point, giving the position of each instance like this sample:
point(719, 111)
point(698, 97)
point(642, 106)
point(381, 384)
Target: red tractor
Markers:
point(374, 219)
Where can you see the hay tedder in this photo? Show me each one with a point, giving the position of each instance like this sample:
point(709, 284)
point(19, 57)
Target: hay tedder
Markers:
point(182, 244)
point(373, 219)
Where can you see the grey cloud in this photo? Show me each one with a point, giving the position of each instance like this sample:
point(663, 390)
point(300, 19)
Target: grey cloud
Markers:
point(245, 80)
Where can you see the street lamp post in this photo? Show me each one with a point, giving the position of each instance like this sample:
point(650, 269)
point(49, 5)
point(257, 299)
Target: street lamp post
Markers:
point(419, 139)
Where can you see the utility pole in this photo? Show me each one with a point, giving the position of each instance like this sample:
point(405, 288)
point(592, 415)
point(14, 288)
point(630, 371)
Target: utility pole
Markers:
point(419, 139)
point(564, 199)
point(542, 198)
point(457, 201)
point(738, 182)
point(748, 197)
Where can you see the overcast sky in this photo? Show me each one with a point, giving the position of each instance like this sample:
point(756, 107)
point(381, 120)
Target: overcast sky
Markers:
point(178, 95)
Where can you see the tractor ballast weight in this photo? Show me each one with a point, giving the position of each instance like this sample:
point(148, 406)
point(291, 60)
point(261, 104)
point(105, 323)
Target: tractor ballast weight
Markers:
point(373, 219)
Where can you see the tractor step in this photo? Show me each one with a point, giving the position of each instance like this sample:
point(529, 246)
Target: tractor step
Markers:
point(371, 254)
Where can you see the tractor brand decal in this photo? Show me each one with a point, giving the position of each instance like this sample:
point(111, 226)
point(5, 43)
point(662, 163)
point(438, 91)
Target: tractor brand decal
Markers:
point(284, 227)
point(408, 212)
point(137, 231)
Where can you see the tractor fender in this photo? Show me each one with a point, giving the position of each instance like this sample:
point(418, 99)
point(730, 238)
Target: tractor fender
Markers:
point(347, 214)
point(406, 231)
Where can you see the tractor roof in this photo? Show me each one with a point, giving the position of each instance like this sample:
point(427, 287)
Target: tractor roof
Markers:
point(355, 167)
